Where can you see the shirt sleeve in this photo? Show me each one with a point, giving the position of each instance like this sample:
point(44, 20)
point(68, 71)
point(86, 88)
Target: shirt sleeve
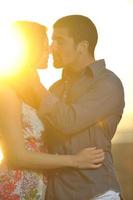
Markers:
point(99, 102)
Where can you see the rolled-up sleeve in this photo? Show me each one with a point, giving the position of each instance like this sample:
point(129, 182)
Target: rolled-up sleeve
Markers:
point(104, 100)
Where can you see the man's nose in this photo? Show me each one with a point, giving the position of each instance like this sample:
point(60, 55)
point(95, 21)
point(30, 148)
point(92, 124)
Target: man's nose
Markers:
point(52, 47)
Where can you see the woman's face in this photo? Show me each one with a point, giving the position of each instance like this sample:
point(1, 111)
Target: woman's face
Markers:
point(43, 62)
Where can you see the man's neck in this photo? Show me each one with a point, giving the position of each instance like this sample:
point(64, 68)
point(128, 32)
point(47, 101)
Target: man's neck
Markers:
point(79, 66)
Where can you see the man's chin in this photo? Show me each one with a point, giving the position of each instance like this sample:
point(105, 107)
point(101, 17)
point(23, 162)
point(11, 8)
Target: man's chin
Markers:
point(57, 65)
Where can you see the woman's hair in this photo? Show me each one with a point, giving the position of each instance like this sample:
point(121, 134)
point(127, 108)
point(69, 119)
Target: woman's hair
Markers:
point(33, 35)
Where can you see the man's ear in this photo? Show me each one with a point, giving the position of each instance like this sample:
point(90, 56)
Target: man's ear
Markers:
point(82, 46)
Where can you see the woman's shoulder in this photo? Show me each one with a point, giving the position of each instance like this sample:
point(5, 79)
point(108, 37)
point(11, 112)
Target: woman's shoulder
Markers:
point(7, 94)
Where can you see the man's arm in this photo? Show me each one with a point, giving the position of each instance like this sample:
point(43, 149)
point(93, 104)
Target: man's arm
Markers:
point(104, 100)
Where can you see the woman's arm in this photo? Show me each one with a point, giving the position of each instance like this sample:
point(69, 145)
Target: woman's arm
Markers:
point(16, 154)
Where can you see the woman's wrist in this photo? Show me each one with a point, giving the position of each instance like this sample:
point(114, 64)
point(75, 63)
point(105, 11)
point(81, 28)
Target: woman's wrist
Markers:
point(72, 161)
point(66, 160)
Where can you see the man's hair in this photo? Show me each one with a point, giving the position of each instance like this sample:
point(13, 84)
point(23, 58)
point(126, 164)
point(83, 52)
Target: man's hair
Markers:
point(80, 28)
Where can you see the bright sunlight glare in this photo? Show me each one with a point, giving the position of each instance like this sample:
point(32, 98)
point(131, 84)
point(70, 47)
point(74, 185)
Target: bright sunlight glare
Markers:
point(1, 155)
point(11, 50)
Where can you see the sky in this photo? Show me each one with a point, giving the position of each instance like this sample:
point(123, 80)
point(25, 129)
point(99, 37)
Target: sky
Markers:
point(113, 19)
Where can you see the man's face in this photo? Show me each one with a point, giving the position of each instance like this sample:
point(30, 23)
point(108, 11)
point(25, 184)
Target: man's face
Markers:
point(64, 50)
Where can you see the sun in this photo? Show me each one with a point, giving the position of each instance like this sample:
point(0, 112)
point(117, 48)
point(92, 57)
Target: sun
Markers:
point(11, 50)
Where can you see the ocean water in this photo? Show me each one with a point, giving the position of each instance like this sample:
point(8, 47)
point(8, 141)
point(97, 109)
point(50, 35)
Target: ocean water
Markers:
point(122, 149)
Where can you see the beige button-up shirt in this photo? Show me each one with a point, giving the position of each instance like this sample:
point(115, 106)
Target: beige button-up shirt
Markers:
point(83, 110)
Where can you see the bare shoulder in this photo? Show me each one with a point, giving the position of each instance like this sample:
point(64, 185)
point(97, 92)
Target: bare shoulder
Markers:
point(8, 97)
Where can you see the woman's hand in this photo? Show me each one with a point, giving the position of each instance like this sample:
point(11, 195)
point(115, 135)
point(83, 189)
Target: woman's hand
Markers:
point(90, 158)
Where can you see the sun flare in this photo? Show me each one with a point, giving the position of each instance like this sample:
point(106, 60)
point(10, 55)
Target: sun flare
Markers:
point(11, 50)
point(1, 155)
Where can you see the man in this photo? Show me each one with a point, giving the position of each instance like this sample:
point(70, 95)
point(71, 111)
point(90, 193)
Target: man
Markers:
point(81, 110)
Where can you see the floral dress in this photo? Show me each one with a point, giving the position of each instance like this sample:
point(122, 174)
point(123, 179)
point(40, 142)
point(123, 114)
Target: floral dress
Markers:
point(25, 184)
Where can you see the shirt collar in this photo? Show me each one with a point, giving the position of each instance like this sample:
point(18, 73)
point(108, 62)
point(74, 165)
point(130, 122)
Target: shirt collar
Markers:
point(93, 70)
point(97, 68)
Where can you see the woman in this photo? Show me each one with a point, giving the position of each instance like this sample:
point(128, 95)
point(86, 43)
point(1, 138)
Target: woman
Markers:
point(21, 172)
